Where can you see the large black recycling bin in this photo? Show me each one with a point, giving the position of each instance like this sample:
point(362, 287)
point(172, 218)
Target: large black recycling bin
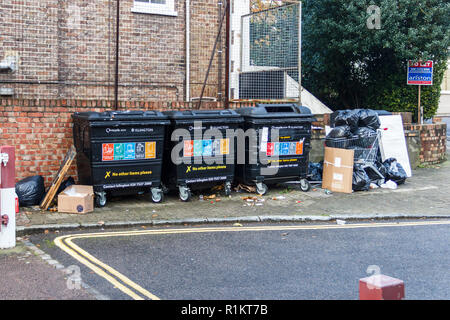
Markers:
point(120, 152)
point(202, 160)
point(288, 156)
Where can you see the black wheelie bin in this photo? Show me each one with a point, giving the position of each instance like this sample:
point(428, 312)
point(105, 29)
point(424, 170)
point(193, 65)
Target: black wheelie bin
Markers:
point(120, 153)
point(287, 157)
point(198, 152)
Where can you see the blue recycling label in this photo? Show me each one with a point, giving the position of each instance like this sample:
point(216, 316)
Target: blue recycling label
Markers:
point(130, 151)
point(207, 148)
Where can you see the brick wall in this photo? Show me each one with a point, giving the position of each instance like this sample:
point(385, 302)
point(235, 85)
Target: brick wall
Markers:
point(433, 138)
point(41, 130)
point(69, 47)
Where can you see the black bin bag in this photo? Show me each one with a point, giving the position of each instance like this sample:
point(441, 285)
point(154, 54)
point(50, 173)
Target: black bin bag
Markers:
point(345, 117)
point(394, 171)
point(340, 132)
point(361, 181)
point(369, 118)
point(315, 171)
point(30, 191)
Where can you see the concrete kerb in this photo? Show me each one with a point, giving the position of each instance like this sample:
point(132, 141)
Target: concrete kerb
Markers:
point(21, 231)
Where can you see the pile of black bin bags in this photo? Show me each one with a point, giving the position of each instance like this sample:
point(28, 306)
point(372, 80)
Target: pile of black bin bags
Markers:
point(358, 125)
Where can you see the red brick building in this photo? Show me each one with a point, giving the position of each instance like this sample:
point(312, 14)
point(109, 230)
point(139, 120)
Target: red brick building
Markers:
point(67, 49)
point(58, 57)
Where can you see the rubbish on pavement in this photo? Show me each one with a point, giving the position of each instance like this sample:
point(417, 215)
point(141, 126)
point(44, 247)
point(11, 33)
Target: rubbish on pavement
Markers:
point(64, 168)
point(395, 171)
point(338, 170)
point(393, 142)
point(365, 132)
point(389, 185)
point(315, 171)
point(345, 117)
point(374, 186)
point(217, 188)
point(340, 132)
point(340, 222)
point(246, 188)
point(76, 199)
point(65, 184)
point(361, 181)
point(30, 191)
point(368, 118)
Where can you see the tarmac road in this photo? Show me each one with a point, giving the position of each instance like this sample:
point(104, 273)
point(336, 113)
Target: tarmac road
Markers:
point(272, 262)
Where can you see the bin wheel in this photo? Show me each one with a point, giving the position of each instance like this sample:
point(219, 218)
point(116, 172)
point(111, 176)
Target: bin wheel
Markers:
point(305, 186)
point(100, 199)
point(261, 188)
point(185, 194)
point(157, 195)
point(228, 189)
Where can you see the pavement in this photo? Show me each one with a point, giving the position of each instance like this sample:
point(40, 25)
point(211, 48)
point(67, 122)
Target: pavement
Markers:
point(26, 275)
point(425, 194)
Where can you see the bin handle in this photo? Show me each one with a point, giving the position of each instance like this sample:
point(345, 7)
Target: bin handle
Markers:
point(126, 113)
point(280, 108)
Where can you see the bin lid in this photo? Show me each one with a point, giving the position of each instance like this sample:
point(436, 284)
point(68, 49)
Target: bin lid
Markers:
point(269, 111)
point(202, 114)
point(131, 115)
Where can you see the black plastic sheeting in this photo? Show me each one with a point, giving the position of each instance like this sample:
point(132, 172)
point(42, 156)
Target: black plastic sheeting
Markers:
point(355, 119)
point(30, 191)
point(361, 180)
point(343, 131)
point(315, 171)
point(394, 171)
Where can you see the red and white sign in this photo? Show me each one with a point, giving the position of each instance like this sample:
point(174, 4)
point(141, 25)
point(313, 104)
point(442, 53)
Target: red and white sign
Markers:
point(420, 73)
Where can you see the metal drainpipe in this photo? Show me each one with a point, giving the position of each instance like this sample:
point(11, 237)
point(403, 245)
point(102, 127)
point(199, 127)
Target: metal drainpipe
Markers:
point(188, 50)
point(116, 81)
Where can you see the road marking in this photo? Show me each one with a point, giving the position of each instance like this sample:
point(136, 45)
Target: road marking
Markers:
point(136, 292)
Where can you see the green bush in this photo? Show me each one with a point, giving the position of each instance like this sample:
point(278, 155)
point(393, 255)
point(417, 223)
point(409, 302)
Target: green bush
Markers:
point(348, 65)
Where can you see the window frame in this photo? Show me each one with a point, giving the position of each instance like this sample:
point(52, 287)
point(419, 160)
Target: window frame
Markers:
point(167, 9)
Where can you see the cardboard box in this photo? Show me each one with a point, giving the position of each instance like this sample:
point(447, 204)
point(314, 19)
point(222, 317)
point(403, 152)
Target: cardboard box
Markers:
point(76, 199)
point(338, 170)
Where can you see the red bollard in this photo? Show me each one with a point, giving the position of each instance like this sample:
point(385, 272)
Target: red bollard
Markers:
point(381, 287)
point(7, 197)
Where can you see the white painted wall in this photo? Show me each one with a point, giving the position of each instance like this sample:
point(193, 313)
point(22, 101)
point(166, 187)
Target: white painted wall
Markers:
point(444, 103)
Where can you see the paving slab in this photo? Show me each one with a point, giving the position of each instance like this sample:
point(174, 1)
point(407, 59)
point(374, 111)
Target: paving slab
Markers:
point(425, 194)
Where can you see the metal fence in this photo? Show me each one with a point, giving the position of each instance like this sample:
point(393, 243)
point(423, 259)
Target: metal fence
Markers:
point(268, 54)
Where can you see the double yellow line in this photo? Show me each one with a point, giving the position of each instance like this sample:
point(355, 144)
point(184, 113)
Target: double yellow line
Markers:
point(136, 292)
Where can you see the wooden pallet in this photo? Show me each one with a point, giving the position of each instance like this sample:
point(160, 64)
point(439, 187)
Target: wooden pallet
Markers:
point(57, 180)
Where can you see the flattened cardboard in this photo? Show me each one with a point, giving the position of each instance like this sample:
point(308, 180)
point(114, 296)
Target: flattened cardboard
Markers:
point(76, 199)
point(393, 142)
point(338, 170)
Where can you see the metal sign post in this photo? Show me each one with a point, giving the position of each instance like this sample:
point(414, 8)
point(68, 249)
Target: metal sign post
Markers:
point(420, 74)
